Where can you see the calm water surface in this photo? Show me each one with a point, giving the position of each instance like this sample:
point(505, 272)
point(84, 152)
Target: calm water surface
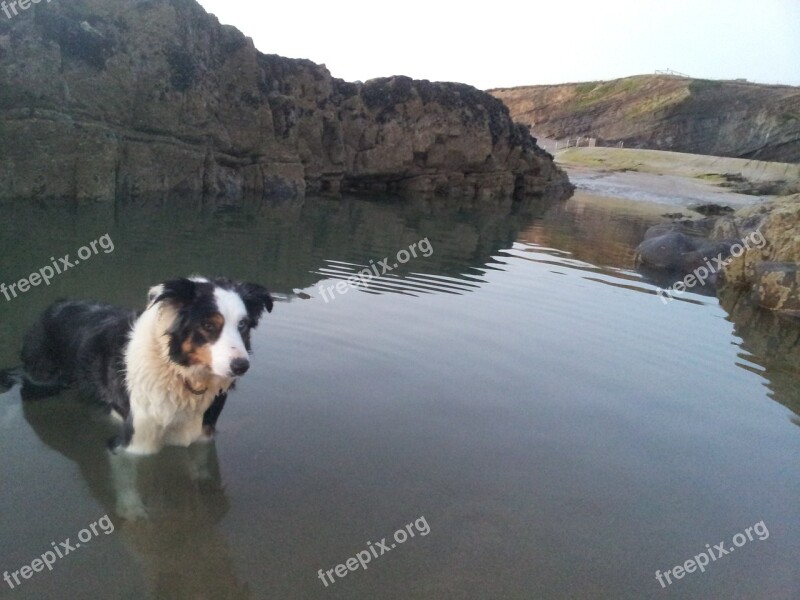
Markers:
point(563, 432)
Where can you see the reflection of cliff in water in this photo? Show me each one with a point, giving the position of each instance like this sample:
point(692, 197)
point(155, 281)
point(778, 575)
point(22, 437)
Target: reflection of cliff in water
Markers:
point(774, 343)
point(280, 243)
point(285, 245)
point(601, 231)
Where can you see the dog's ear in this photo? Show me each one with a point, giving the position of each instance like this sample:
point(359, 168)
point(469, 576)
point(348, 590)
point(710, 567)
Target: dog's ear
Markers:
point(178, 291)
point(154, 293)
point(256, 299)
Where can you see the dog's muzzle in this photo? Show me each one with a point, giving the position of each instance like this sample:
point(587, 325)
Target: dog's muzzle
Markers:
point(239, 366)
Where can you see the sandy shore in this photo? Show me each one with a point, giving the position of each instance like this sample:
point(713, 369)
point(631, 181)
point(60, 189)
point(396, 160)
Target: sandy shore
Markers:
point(669, 179)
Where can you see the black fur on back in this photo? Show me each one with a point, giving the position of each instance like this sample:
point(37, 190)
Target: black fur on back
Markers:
point(82, 344)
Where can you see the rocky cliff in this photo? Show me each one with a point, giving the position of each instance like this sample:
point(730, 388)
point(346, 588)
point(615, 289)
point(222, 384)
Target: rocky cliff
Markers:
point(110, 98)
point(721, 118)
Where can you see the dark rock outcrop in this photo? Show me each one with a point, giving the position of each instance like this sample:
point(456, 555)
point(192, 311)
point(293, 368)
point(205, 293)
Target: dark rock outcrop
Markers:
point(109, 98)
point(661, 112)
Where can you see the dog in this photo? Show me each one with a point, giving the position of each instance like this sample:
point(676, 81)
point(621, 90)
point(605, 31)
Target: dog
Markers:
point(165, 372)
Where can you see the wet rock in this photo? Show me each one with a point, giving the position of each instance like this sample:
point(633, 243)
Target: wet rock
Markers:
point(665, 251)
point(769, 273)
point(712, 210)
point(680, 247)
point(725, 227)
point(707, 252)
point(776, 287)
point(685, 226)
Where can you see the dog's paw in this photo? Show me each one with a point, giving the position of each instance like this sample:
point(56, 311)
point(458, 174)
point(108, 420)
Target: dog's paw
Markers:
point(208, 434)
point(199, 473)
point(132, 509)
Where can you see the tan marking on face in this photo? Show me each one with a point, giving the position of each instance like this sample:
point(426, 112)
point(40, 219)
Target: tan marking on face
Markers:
point(201, 354)
point(198, 355)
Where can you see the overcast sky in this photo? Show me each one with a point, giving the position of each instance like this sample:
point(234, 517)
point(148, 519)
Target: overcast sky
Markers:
point(504, 43)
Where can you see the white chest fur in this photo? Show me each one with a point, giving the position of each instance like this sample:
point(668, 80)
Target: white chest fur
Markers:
point(167, 401)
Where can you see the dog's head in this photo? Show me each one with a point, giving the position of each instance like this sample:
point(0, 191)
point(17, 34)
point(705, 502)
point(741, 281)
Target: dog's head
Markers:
point(212, 321)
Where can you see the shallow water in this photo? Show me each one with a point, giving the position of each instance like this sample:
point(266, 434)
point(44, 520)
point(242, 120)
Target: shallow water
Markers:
point(563, 432)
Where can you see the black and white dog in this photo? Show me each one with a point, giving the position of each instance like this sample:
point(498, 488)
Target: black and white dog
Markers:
point(166, 371)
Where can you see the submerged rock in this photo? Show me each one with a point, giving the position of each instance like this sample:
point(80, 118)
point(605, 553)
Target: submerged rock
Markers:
point(117, 98)
point(665, 251)
point(680, 248)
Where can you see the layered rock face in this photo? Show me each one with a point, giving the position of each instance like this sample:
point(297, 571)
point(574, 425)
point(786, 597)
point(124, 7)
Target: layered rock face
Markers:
point(108, 98)
point(659, 112)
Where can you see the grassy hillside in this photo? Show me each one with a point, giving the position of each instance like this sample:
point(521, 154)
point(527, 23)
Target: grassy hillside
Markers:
point(723, 118)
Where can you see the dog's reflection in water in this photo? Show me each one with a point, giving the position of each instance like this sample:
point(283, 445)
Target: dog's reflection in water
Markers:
point(178, 498)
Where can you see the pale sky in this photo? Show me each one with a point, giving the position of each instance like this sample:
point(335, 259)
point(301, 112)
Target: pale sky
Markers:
point(503, 43)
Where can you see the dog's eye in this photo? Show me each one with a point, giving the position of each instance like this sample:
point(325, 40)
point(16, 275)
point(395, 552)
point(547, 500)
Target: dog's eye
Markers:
point(210, 326)
point(244, 324)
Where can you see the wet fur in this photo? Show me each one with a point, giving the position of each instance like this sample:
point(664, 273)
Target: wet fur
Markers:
point(159, 369)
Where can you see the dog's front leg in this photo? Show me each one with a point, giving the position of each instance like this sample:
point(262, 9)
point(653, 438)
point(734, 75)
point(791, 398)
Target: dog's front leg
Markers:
point(204, 464)
point(212, 415)
point(124, 476)
point(144, 435)
point(140, 436)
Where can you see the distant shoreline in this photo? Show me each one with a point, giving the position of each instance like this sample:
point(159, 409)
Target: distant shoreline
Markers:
point(676, 179)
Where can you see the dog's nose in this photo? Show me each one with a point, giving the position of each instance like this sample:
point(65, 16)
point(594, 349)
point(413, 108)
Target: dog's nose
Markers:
point(239, 366)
